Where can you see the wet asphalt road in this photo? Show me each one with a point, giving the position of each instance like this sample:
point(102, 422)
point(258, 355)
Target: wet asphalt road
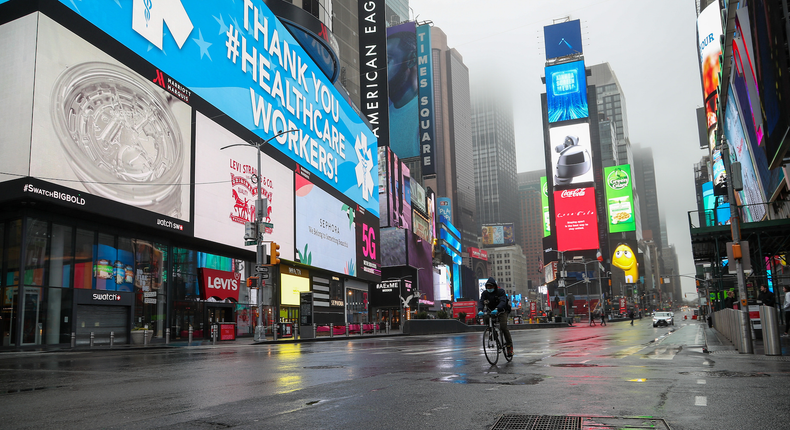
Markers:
point(437, 381)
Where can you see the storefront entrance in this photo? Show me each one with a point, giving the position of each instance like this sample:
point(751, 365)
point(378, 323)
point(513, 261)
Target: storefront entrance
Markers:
point(218, 313)
point(101, 320)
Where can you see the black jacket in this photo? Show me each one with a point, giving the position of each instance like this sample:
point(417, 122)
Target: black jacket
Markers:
point(767, 298)
point(496, 300)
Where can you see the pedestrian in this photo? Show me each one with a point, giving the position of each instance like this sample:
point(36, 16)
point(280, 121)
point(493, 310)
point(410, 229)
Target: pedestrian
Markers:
point(730, 301)
point(631, 314)
point(786, 308)
point(603, 316)
point(766, 297)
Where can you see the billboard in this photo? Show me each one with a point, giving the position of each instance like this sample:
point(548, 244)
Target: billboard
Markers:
point(425, 73)
point(752, 194)
point(571, 155)
point(708, 32)
point(368, 249)
point(393, 247)
point(566, 91)
point(102, 130)
point(403, 90)
point(445, 209)
point(719, 174)
point(384, 197)
point(563, 39)
point(418, 197)
point(240, 58)
point(619, 198)
point(500, 234)
point(372, 59)
point(325, 238)
point(544, 202)
point(576, 219)
point(226, 190)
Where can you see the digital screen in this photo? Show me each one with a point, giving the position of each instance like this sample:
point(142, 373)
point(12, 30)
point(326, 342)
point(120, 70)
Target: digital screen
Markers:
point(544, 201)
point(498, 235)
point(368, 249)
point(393, 247)
point(227, 191)
point(445, 209)
point(418, 197)
point(571, 155)
point(101, 128)
point(254, 73)
point(425, 76)
point(576, 219)
point(566, 91)
point(619, 198)
point(325, 238)
point(403, 90)
point(709, 203)
point(708, 32)
point(563, 39)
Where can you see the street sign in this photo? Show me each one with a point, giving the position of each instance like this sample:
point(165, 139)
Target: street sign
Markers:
point(268, 224)
point(265, 275)
point(262, 269)
point(250, 242)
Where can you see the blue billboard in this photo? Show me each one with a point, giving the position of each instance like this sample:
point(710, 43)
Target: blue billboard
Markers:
point(403, 90)
point(563, 39)
point(425, 73)
point(240, 58)
point(566, 91)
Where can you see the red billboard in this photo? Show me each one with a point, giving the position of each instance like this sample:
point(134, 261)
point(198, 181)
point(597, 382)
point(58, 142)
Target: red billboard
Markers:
point(576, 219)
point(479, 254)
point(219, 284)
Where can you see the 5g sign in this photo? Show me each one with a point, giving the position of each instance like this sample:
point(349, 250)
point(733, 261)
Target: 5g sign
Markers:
point(368, 266)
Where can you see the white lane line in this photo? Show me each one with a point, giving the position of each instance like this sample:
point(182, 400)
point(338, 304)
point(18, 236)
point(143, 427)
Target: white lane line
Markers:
point(701, 381)
point(700, 401)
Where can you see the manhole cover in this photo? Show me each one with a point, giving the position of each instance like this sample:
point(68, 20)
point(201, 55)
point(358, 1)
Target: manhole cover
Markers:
point(537, 422)
point(559, 422)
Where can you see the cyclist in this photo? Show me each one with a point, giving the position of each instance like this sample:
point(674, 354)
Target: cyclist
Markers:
point(499, 305)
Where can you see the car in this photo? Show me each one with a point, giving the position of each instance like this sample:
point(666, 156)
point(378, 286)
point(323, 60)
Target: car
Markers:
point(663, 319)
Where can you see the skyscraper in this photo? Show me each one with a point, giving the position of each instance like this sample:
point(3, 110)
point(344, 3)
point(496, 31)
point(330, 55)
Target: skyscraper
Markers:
point(530, 235)
point(494, 156)
point(611, 100)
point(452, 113)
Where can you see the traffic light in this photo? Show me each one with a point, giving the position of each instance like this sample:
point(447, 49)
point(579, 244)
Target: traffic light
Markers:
point(274, 250)
point(252, 282)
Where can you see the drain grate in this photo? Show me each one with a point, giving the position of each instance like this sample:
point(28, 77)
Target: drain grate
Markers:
point(537, 422)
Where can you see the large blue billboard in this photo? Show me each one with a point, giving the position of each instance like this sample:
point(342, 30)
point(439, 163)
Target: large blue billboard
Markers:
point(566, 91)
point(563, 39)
point(425, 73)
point(403, 90)
point(250, 67)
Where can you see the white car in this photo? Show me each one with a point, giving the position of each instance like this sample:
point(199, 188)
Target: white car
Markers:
point(663, 318)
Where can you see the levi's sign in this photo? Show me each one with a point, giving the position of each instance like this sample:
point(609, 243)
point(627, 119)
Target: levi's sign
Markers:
point(219, 284)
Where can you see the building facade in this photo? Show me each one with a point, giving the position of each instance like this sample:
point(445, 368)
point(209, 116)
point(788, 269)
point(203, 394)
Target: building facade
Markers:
point(530, 236)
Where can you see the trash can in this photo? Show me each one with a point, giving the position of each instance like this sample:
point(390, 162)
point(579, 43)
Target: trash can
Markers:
point(770, 324)
point(558, 319)
point(285, 330)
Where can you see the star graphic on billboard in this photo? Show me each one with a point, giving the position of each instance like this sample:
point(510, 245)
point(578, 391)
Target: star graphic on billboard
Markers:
point(364, 166)
point(203, 45)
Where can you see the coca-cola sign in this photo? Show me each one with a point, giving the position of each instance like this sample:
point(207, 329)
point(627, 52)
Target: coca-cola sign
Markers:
point(576, 219)
point(219, 284)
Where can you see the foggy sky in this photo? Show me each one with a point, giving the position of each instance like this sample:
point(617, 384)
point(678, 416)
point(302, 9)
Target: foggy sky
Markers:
point(650, 46)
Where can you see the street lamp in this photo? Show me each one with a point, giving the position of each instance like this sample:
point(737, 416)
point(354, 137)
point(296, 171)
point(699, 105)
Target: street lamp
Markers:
point(586, 279)
point(561, 280)
point(259, 215)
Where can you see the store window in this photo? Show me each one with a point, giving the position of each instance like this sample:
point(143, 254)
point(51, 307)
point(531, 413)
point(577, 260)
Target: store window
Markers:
point(150, 259)
point(187, 308)
point(83, 259)
point(12, 236)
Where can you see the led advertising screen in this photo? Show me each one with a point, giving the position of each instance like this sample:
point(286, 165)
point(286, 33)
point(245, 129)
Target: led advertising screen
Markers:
point(406, 198)
point(571, 155)
point(563, 39)
point(500, 234)
point(441, 283)
point(226, 190)
point(102, 129)
point(444, 208)
point(18, 55)
point(708, 32)
point(368, 249)
point(425, 73)
point(544, 201)
point(576, 219)
point(384, 199)
point(240, 58)
point(372, 58)
point(393, 247)
point(418, 197)
point(403, 90)
point(325, 238)
point(719, 174)
point(619, 198)
point(421, 226)
point(709, 204)
point(752, 195)
point(566, 91)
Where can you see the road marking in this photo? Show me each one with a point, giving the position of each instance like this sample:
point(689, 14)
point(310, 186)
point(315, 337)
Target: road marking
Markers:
point(701, 381)
point(706, 363)
point(700, 401)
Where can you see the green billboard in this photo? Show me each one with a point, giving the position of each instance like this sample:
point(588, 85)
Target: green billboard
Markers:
point(619, 198)
point(544, 199)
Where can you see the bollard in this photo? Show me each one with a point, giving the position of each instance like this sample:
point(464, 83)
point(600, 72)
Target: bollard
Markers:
point(145, 337)
point(112, 338)
point(348, 332)
point(91, 339)
point(73, 340)
point(189, 342)
point(770, 324)
point(214, 334)
point(361, 329)
point(167, 336)
point(388, 327)
point(331, 329)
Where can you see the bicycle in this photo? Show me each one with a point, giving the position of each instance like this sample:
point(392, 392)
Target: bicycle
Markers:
point(494, 341)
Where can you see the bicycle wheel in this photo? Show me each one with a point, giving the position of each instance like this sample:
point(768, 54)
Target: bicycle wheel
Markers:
point(491, 346)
